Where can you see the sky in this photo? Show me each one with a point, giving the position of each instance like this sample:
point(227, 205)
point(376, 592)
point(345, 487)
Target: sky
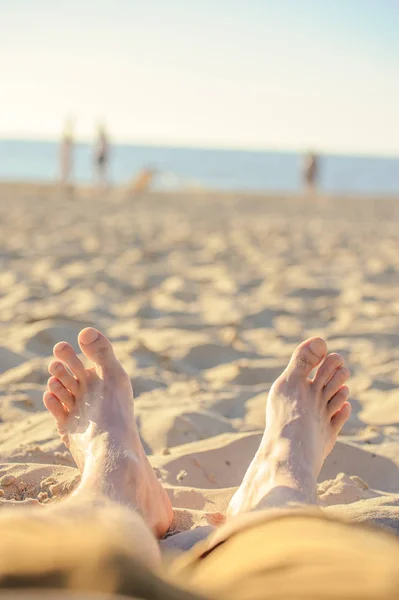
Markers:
point(258, 74)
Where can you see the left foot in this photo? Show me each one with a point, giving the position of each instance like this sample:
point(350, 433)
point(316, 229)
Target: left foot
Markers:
point(303, 419)
point(93, 409)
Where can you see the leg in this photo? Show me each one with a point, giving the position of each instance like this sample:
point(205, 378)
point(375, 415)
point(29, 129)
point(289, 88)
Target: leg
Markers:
point(101, 538)
point(93, 409)
point(86, 543)
point(267, 549)
point(303, 419)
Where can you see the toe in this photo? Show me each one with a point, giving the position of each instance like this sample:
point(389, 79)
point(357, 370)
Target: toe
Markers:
point(96, 346)
point(337, 401)
point(58, 370)
point(337, 380)
point(327, 369)
point(306, 357)
point(55, 407)
point(64, 351)
point(57, 389)
point(339, 419)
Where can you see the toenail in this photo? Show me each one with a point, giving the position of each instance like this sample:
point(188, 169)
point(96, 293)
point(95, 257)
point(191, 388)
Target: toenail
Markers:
point(61, 346)
point(90, 336)
point(318, 347)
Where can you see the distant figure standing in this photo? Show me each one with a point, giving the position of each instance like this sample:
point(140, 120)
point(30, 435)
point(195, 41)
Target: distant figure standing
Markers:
point(66, 155)
point(310, 172)
point(101, 156)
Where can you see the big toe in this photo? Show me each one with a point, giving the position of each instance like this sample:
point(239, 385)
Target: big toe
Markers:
point(306, 357)
point(96, 347)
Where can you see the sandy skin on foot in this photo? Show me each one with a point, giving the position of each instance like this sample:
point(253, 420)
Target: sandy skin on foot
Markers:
point(94, 413)
point(303, 419)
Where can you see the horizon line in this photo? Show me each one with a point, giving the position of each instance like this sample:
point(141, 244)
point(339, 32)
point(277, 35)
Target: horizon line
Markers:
point(218, 147)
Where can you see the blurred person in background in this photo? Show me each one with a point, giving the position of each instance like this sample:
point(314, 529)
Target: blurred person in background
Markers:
point(310, 172)
point(101, 156)
point(66, 155)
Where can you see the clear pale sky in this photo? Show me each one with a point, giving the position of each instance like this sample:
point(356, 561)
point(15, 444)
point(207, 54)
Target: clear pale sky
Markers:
point(279, 74)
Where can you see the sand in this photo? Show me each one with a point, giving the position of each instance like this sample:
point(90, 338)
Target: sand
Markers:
point(204, 296)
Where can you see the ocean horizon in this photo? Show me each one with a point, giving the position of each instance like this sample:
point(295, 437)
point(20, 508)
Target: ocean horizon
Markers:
point(208, 168)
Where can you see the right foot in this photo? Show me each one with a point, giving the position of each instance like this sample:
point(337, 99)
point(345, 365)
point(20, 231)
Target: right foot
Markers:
point(93, 409)
point(303, 420)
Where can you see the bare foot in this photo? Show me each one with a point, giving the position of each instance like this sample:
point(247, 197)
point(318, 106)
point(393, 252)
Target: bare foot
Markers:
point(93, 409)
point(303, 420)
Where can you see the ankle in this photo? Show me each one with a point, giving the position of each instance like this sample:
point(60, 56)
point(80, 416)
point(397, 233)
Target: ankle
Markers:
point(278, 477)
point(284, 489)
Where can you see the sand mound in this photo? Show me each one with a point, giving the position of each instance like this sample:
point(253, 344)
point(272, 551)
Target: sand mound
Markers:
point(9, 360)
point(39, 338)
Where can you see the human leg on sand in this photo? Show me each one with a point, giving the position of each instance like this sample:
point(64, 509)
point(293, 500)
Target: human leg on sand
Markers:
point(269, 549)
point(303, 419)
point(94, 414)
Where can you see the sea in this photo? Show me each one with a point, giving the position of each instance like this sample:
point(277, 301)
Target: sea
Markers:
point(204, 168)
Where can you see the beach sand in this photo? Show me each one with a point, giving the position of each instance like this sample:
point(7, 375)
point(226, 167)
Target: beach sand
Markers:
point(204, 297)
